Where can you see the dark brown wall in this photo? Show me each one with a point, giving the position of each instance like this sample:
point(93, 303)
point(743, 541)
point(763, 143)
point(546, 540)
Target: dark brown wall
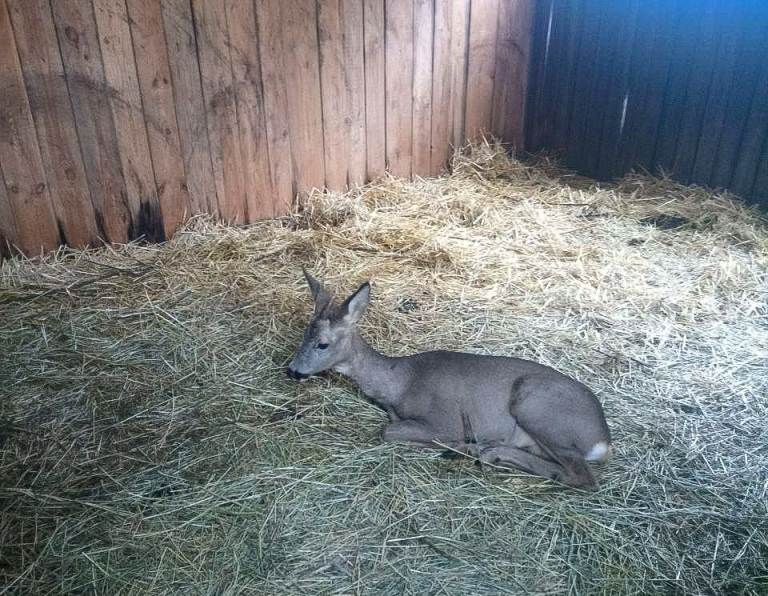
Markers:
point(678, 85)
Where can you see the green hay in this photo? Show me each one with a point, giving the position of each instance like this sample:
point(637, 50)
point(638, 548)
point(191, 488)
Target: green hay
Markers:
point(150, 441)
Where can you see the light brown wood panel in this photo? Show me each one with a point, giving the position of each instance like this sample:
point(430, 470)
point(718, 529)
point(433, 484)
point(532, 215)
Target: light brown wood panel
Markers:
point(43, 72)
point(375, 97)
point(298, 28)
point(336, 120)
point(154, 75)
point(399, 85)
point(20, 160)
point(459, 44)
point(354, 68)
point(159, 109)
point(221, 110)
point(343, 87)
point(246, 71)
point(275, 103)
point(442, 98)
point(8, 235)
point(481, 69)
point(125, 101)
point(512, 60)
point(190, 106)
point(423, 38)
point(89, 92)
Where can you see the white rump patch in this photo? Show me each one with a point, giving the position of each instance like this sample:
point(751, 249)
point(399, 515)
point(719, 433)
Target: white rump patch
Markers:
point(598, 452)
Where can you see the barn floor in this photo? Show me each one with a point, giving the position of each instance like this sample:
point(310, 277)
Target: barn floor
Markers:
point(150, 441)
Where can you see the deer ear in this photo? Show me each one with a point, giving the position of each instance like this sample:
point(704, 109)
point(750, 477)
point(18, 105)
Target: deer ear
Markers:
point(353, 308)
point(321, 296)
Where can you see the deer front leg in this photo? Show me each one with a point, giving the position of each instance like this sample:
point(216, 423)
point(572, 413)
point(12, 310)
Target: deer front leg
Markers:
point(408, 431)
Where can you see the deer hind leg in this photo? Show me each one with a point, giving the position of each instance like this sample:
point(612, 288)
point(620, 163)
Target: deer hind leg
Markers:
point(540, 455)
point(531, 453)
point(575, 470)
point(576, 434)
point(513, 457)
point(578, 472)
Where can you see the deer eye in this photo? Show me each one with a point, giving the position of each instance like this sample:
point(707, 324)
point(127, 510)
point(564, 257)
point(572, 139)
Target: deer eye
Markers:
point(321, 346)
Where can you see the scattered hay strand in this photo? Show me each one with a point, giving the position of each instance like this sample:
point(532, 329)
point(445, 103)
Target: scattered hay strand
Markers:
point(150, 441)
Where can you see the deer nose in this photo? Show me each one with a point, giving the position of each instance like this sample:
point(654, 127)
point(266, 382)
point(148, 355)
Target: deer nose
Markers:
point(294, 374)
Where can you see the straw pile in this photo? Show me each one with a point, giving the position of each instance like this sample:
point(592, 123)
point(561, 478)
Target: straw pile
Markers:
point(150, 441)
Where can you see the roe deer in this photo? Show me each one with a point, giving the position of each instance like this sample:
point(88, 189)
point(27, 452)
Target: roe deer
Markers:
point(505, 411)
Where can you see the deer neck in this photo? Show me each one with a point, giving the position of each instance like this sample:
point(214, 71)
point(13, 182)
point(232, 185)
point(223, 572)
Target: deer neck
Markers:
point(382, 378)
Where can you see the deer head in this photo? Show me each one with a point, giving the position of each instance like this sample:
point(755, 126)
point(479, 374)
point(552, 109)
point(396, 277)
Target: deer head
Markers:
point(328, 339)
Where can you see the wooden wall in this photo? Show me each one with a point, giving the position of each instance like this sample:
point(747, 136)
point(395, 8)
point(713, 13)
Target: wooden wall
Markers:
point(680, 85)
point(119, 118)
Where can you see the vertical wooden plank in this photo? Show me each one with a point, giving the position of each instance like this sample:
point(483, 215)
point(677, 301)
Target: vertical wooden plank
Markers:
point(607, 97)
point(302, 69)
point(459, 45)
point(43, 72)
point(617, 96)
point(336, 121)
point(599, 93)
point(342, 73)
point(125, 101)
point(755, 134)
point(481, 70)
point(423, 38)
point(399, 90)
point(750, 29)
point(586, 76)
point(513, 46)
point(759, 192)
point(569, 18)
point(154, 75)
point(275, 103)
point(190, 105)
point(221, 110)
point(246, 71)
point(696, 92)
point(666, 16)
point(552, 43)
point(750, 158)
point(651, 74)
point(646, 66)
point(687, 33)
point(535, 113)
point(375, 96)
point(585, 139)
point(89, 92)
point(717, 100)
point(442, 109)
point(20, 160)
point(354, 62)
point(340, 28)
point(8, 235)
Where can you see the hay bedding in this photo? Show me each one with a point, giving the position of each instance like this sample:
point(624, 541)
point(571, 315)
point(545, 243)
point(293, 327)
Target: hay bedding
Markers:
point(151, 442)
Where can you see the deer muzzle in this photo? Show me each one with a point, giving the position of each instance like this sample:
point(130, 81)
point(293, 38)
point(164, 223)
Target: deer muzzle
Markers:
point(296, 375)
